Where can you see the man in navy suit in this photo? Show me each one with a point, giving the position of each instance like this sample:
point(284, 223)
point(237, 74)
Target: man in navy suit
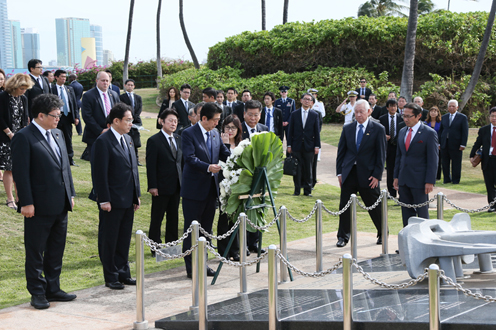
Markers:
point(416, 163)
point(182, 106)
point(232, 95)
point(116, 190)
point(271, 116)
point(363, 91)
point(239, 109)
point(95, 107)
point(359, 167)
point(78, 90)
point(112, 87)
point(287, 106)
point(304, 142)
point(253, 110)
point(136, 104)
point(202, 150)
point(454, 135)
point(46, 193)
point(41, 84)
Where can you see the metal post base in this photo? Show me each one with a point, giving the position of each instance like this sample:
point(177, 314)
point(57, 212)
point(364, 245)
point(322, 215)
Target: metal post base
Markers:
point(242, 294)
point(193, 308)
point(140, 325)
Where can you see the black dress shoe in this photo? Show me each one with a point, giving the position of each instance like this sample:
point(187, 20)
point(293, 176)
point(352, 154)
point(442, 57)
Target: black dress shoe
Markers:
point(189, 275)
point(61, 296)
point(39, 301)
point(210, 271)
point(114, 285)
point(139, 164)
point(491, 209)
point(72, 163)
point(379, 241)
point(341, 243)
point(295, 194)
point(397, 251)
point(254, 249)
point(248, 253)
point(153, 254)
point(309, 195)
point(235, 257)
point(129, 281)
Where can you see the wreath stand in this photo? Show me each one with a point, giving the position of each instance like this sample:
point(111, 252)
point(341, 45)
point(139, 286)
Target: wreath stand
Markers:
point(260, 188)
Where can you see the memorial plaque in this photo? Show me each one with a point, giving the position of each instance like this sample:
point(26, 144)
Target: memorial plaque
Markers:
point(173, 250)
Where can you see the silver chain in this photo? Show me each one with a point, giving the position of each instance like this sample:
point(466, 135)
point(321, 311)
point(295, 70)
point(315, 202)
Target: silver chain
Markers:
point(403, 285)
point(314, 274)
point(176, 256)
point(373, 206)
point(154, 246)
point(411, 206)
point(467, 292)
point(234, 263)
point(267, 226)
point(304, 219)
point(469, 210)
point(221, 237)
point(340, 211)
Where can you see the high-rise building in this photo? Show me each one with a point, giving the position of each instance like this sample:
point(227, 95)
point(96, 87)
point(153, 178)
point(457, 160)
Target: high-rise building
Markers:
point(5, 38)
point(108, 57)
point(69, 33)
point(30, 45)
point(96, 32)
point(15, 30)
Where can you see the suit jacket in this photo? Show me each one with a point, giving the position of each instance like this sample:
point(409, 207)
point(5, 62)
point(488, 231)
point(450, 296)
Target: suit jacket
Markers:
point(239, 110)
point(484, 141)
point(138, 106)
point(6, 115)
point(182, 112)
point(234, 104)
point(304, 139)
point(417, 166)
point(226, 111)
point(384, 120)
point(42, 178)
point(287, 108)
point(37, 90)
point(115, 89)
point(163, 170)
point(277, 120)
point(424, 114)
point(196, 180)
point(369, 158)
point(71, 99)
point(114, 172)
point(92, 109)
point(457, 132)
point(378, 111)
point(258, 128)
point(367, 93)
point(78, 90)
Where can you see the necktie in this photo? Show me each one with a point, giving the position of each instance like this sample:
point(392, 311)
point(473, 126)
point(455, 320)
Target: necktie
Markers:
point(126, 151)
point(267, 122)
point(392, 129)
point(493, 142)
point(283, 100)
point(186, 105)
point(52, 144)
point(363, 91)
point(451, 119)
point(107, 104)
point(252, 130)
point(39, 82)
point(229, 104)
point(62, 96)
point(132, 100)
point(209, 145)
point(359, 136)
point(408, 138)
point(305, 118)
point(173, 147)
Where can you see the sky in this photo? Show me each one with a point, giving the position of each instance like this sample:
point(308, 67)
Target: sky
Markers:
point(207, 21)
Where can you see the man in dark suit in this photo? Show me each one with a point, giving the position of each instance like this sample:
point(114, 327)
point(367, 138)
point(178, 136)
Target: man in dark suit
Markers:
point(116, 190)
point(46, 193)
point(287, 106)
point(232, 95)
point(487, 140)
point(136, 104)
point(378, 111)
point(416, 163)
point(41, 84)
point(391, 123)
point(363, 91)
point(226, 110)
point(420, 102)
point(69, 112)
point(112, 87)
point(359, 167)
point(209, 95)
point(202, 150)
point(193, 116)
point(239, 110)
point(303, 143)
point(78, 90)
point(182, 106)
point(454, 135)
point(95, 107)
point(164, 173)
point(272, 117)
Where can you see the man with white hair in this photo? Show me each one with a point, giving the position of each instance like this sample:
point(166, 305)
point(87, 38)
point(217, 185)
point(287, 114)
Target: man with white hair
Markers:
point(420, 102)
point(454, 135)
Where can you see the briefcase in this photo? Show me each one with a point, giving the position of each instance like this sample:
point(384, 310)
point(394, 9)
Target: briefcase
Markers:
point(290, 166)
point(477, 158)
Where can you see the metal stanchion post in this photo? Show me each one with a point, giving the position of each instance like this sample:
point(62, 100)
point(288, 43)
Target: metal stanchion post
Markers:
point(434, 323)
point(318, 235)
point(347, 292)
point(195, 234)
point(140, 323)
point(242, 254)
point(353, 226)
point(440, 205)
point(202, 287)
point(385, 231)
point(284, 250)
point(273, 317)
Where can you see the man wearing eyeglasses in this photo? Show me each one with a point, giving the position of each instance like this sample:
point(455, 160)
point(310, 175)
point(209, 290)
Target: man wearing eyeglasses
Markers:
point(41, 84)
point(416, 163)
point(253, 111)
point(363, 91)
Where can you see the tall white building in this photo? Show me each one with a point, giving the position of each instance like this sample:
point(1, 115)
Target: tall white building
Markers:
point(16, 38)
point(30, 45)
point(108, 57)
point(5, 38)
point(97, 33)
point(69, 33)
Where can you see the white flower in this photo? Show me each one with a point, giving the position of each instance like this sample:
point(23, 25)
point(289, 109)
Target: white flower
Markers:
point(226, 173)
point(238, 151)
point(222, 191)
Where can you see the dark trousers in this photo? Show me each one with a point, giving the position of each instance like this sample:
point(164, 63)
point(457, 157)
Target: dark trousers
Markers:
point(451, 158)
point(369, 197)
point(44, 242)
point(161, 205)
point(201, 211)
point(223, 226)
point(390, 163)
point(490, 178)
point(314, 170)
point(65, 125)
point(413, 196)
point(303, 178)
point(114, 238)
point(79, 128)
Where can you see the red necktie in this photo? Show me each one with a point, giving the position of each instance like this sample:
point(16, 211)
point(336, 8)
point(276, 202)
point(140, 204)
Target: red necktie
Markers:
point(408, 138)
point(493, 142)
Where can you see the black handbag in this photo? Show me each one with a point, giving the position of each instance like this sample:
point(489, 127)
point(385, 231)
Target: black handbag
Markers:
point(290, 166)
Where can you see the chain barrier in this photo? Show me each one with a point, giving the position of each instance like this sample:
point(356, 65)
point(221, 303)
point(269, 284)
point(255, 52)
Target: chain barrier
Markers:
point(176, 256)
point(466, 292)
point(221, 237)
point(373, 206)
point(411, 206)
point(306, 218)
point(303, 273)
point(154, 246)
point(403, 285)
point(235, 263)
point(340, 211)
point(267, 226)
point(469, 210)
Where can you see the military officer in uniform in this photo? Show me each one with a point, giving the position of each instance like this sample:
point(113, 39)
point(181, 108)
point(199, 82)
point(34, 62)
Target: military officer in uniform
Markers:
point(287, 106)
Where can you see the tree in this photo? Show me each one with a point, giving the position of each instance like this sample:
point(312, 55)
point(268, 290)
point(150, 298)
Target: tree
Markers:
point(376, 8)
point(425, 6)
point(263, 16)
point(406, 89)
point(125, 70)
point(159, 58)
point(285, 12)
point(185, 34)
point(467, 94)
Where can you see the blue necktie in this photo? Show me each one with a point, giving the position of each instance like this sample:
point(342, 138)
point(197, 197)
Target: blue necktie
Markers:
point(359, 136)
point(209, 145)
point(62, 96)
point(268, 118)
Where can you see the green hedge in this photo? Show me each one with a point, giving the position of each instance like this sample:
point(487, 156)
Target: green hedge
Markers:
point(447, 43)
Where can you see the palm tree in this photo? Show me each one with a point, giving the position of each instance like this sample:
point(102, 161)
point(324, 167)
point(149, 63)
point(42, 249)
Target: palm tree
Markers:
point(480, 59)
point(159, 59)
point(376, 8)
point(128, 43)
point(263, 15)
point(285, 12)
point(425, 6)
point(186, 39)
point(406, 89)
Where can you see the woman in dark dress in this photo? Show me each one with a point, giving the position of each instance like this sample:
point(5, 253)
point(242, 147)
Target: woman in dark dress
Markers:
point(433, 120)
point(13, 117)
point(172, 95)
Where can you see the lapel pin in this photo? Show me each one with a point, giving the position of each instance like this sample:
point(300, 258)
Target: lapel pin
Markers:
point(367, 134)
